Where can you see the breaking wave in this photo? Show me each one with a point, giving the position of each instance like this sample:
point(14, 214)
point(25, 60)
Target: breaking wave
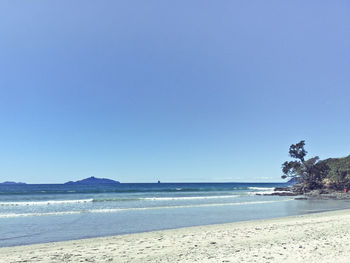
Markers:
point(114, 210)
point(47, 202)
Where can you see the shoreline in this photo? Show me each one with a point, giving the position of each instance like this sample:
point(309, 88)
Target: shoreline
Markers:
point(316, 237)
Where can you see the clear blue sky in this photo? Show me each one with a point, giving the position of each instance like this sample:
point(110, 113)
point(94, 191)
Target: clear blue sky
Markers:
point(172, 90)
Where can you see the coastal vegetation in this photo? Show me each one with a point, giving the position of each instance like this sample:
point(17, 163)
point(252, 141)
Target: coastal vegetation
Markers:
point(315, 174)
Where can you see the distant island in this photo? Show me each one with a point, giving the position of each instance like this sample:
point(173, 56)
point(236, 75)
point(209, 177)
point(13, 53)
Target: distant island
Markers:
point(93, 181)
point(292, 181)
point(11, 183)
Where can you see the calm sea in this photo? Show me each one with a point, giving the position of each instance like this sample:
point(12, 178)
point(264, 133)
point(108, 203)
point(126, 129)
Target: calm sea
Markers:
point(44, 213)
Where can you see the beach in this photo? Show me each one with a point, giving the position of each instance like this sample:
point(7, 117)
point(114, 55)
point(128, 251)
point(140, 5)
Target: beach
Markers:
point(318, 237)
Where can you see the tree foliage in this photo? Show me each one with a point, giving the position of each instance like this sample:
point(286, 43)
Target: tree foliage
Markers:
point(313, 173)
point(338, 176)
point(297, 151)
point(309, 173)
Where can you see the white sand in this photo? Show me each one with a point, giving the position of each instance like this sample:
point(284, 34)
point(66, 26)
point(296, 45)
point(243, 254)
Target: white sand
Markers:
point(322, 237)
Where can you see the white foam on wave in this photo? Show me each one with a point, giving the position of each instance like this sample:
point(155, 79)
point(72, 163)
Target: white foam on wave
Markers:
point(260, 192)
point(262, 188)
point(188, 198)
point(114, 210)
point(267, 192)
point(11, 215)
point(47, 202)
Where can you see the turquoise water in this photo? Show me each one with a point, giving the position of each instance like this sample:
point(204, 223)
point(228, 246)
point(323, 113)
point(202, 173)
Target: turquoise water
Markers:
point(44, 213)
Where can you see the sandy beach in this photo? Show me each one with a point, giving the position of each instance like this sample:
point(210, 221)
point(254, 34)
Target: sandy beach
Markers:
point(320, 237)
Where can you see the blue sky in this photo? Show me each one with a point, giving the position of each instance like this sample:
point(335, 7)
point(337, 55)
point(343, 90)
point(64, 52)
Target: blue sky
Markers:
point(188, 91)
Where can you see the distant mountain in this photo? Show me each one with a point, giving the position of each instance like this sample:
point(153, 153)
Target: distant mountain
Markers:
point(93, 181)
point(11, 183)
point(292, 181)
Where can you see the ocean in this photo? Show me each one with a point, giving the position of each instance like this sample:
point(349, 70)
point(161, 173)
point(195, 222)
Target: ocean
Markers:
point(32, 214)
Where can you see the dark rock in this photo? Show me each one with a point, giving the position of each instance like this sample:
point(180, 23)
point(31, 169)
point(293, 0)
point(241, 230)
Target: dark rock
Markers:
point(283, 194)
point(327, 195)
point(282, 189)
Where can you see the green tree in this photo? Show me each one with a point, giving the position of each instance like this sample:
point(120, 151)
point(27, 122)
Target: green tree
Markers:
point(339, 173)
point(309, 173)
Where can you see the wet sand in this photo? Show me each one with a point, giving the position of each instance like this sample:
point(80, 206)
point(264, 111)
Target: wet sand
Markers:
point(320, 237)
